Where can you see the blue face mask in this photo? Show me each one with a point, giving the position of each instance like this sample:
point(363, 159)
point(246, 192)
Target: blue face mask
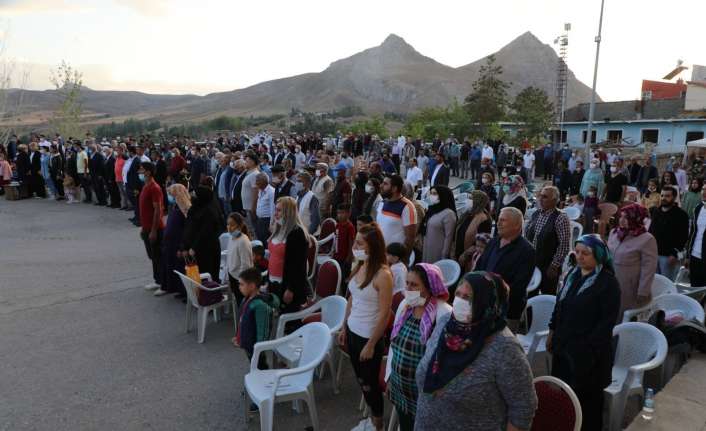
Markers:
point(171, 199)
point(506, 189)
point(142, 177)
point(235, 234)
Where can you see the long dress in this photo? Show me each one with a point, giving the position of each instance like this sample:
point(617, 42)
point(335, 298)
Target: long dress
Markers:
point(171, 241)
point(635, 261)
point(439, 236)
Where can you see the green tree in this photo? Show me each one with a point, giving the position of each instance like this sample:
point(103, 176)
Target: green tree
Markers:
point(487, 103)
point(374, 126)
point(533, 111)
point(67, 116)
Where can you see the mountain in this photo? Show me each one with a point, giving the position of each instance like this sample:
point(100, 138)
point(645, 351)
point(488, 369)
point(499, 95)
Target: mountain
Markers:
point(391, 77)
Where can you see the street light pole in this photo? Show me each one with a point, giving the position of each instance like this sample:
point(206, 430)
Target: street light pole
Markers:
point(592, 108)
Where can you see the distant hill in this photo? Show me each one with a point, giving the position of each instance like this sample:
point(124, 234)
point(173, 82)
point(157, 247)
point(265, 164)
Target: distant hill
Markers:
point(391, 77)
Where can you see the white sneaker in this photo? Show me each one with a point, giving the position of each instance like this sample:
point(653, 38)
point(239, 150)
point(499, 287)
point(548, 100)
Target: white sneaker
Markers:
point(152, 286)
point(160, 292)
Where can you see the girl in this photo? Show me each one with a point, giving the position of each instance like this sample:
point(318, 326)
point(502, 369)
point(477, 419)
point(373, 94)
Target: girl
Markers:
point(397, 260)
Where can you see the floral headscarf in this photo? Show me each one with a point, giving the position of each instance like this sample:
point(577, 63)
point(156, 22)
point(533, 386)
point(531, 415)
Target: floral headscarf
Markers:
point(435, 282)
point(636, 215)
point(181, 196)
point(516, 187)
point(604, 261)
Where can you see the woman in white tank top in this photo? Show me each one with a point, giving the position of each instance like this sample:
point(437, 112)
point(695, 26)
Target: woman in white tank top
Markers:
point(369, 308)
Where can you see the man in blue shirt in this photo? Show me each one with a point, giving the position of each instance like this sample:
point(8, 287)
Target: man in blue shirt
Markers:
point(475, 161)
point(548, 162)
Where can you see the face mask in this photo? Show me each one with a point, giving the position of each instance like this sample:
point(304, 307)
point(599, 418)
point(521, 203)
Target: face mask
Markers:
point(594, 166)
point(142, 177)
point(433, 199)
point(652, 189)
point(590, 194)
point(462, 310)
point(319, 173)
point(235, 234)
point(613, 169)
point(413, 298)
point(485, 180)
point(280, 221)
point(369, 189)
point(360, 254)
point(170, 199)
point(504, 175)
point(506, 189)
point(276, 180)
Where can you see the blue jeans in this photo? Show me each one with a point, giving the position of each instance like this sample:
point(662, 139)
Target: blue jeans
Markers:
point(666, 269)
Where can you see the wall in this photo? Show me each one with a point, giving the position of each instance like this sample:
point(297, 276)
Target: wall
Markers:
point(662, 90)
point(695, 97)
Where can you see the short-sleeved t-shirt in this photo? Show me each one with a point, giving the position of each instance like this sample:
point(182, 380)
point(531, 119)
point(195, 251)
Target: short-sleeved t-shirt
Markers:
point(248, 190)
point(345, 234)
point(393, 217)
point(614, 188)
point(150, 195)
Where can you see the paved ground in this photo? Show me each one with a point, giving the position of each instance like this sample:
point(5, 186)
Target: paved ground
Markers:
point(84, 347)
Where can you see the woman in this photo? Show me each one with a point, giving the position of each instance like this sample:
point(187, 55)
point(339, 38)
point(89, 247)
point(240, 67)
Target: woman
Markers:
point(669, 179)
point(514, 194)
point(473, 222)
point(437, 227)
point(359, 195)
point(651, 198)
point(692, 198)
point(180, 201)
point(367, 313)
point(287, 266)
point(201, 231)
point(240, 255)
point(634, 256)
point(56, 172)
point(594, 177)
point(581, 327)
point(488, 187)
point(474, 374)
point(425, 301)
point(372, 189)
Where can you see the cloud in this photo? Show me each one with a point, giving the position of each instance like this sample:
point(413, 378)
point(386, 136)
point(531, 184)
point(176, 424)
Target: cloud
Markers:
point(150, 8)
point(24, 7)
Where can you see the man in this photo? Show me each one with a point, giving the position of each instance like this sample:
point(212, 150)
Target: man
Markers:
point(82, 171)
point(670, 227)
point(223, 177)
point(308, 204)
point(198, 168)
point(549, 232)
point(512, 257)
point(36, 180)
point(577, 178)
point(697, 244)
point(97, 169)
point(396, 215)
point(283, 185)
point(150, 203)
point(528, 163)
point(176, 165)
point(397, 150)
point(414, 174)
point(133, 184)
point(265, 207)
point(299, 157)
point(323, 190)
point(109, 175)
point(645, 174)
point(408, 153)
point(249, 189)
point(487, 152)
point(343, 190)
point(616, 186)
point(548, 162)
point(476, 156)
point(236, 186)
point(440, 175)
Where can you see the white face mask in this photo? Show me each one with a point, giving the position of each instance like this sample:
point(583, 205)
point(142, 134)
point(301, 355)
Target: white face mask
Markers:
point(485, 180)
point(613, 169)
point(319, 173)
point(413, 298)
point(369, 189)
point(360, 254)
point(462, 310)
point(433, 199)
point(594, 166)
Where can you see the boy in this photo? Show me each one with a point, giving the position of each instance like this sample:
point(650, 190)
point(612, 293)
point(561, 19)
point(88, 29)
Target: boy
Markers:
point(258, 256)
point(362, 220)
point(345, 234)
point(397, 261)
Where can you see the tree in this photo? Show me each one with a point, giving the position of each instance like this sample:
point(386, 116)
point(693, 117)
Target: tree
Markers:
point(374, 126)
point(67, 117)
point(533, 111)
point(488, 101)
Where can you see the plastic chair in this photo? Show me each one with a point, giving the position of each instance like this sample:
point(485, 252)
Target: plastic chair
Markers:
point(223, 240)
point(192, 302)
point(328, 281)
point(558, 406)
point(682, 278)
point(534, 341)
point(311, 259)
point(327, 240)
point(332, 311)
point(535, 281)
point(662, 285)
point(267, 387)
point(572, 213)
point(450, 270)
point(669, 303)
point(576, 231)
point(641, 347)
point(608, 210)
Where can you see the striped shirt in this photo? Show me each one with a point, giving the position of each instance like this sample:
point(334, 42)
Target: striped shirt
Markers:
point(393, 217)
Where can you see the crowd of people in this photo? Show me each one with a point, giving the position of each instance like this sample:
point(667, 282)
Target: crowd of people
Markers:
point(395, 217)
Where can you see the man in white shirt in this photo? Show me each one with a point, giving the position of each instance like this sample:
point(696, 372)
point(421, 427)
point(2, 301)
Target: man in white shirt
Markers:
point(300, 158)
point(265, 206)
point(528, 163)
point(487, 152)
point(414, 174)
point(396, 215)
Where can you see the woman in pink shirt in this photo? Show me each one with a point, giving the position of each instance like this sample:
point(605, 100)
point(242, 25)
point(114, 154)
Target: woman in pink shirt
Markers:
point(119, 164)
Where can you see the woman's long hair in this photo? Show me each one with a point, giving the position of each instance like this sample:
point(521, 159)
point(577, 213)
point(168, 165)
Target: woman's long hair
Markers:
point(290, 219)
point(371, 198)
point(377, 259)
point(240, 221)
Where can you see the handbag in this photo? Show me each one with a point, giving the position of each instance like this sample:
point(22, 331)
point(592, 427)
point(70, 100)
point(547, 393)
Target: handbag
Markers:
point(192, 271)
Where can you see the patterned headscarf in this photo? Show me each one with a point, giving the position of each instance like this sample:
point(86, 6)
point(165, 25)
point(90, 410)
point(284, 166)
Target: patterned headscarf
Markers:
point(516, 188)
point(636, 215)
point(435, 282)
point(480, 202)
point(461, 343)
point(181, 196)
point(604, 262)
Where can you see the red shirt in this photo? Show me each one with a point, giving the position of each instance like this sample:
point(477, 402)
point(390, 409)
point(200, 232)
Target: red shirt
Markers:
point(345, 235)
point(178, 164)
point(150, 200)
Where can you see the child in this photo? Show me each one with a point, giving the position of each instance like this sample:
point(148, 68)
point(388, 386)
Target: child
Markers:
point(482, 240)
point(362, 220)
point(255, 316)
point(239, 252)
point(70, 189)
point(590, 209)
point(397, 259)
point(345, 234)
point(258, 256)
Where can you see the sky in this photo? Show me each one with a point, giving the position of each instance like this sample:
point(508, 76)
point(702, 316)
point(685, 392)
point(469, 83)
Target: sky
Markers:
point(198, 47)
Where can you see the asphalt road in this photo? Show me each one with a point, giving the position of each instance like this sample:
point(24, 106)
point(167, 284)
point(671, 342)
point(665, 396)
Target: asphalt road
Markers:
point(84, 347)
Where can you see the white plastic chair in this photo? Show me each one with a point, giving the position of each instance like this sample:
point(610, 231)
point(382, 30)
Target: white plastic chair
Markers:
point(572, 213)
point(535, 340)
point(576, 231)
point(202, 312)
point(535, 281)
point(333, 313)
point(312, 265)
point(662, 285)
point(553, 381)
point(223, 240)
point(267, 387)
point(641, 347)
point(682, 278)
point(450, 270)
point(670, 303)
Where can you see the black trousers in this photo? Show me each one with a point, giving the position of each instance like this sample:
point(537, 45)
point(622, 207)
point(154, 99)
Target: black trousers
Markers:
point(475, 167)
point(59, 184)
point(367, 372)
point(154, 252)
point(99, 188)
point(406, 421)
point(396, 162)
point(36, 185)
point(262, 229)
point(697, 271)
point(548, 168)
point(86, 185)
point(114, 193)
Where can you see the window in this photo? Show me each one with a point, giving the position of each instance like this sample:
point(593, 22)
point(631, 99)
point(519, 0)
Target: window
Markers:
point(615, 136)
point(593, 136)
point(555, 136)
point(647, 95)
point(650, 135)
point(694, 136)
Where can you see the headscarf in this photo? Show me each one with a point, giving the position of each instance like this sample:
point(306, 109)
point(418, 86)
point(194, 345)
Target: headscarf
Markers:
point(604, 262)
point(517, 188)
point(446, 200)
point(438, 291)
point(181, 196)
point(461, 343)
point(480, 203)
point(636, 215)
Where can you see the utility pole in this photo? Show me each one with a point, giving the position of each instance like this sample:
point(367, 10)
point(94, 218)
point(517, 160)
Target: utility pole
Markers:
point(592, 108)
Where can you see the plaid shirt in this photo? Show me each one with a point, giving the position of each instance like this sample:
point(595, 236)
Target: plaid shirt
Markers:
point(562, 226)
